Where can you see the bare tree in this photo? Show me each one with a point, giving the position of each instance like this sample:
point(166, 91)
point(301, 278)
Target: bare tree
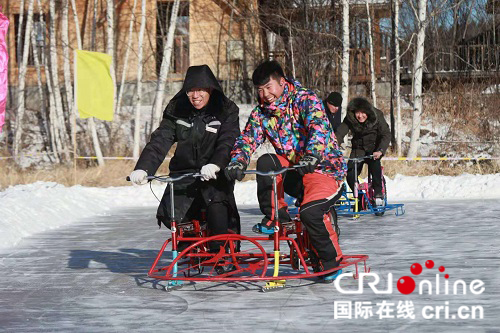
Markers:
point(372, 58)
point(127, 54)
point(54, 76)
point(345, 56)
point(41, 94)
point(19, 32)
point(397, 97)
point(55, 134)
point(67, 74)
point(417, 80)
point(138, 93)
point(21, 80)
point(165, 66)
point(91, 121)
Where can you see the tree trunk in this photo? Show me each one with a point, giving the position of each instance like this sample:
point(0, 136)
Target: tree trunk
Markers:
point(397, 84)
point(77, 25)
point(19, 32)
point(60, 121)
point(127, 54)
point(165, 66)
point(91, 122)
point(41, 94)
point(55, 135)
point(22, 82)
point(372, 58)
point(110, 49)
point(138, 93)
point(345, 56)
point(67, 73)
point(417, 78)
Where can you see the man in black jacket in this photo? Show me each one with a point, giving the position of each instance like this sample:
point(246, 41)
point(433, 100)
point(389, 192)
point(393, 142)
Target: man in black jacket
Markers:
point(333, 109)
point(205, 124)
point(370, 136)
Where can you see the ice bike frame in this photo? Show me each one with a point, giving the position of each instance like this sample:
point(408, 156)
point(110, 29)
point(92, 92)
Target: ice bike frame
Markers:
point(252, 262)
point(351, 207)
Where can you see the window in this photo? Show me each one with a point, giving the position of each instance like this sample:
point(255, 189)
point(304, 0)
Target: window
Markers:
point(180, 53)
point(40, 30)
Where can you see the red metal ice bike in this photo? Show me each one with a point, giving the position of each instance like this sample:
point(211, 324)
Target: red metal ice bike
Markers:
point(241, 258)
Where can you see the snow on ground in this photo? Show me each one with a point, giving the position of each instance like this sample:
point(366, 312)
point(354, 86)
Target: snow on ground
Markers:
point(32, 208)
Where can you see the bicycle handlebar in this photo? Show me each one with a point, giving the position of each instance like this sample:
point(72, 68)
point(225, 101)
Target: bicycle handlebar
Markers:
point(164, 179)
point(268, 173)
point(359, 159)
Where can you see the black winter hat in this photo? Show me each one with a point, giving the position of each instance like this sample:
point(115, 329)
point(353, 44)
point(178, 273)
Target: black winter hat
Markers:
point(334, 99)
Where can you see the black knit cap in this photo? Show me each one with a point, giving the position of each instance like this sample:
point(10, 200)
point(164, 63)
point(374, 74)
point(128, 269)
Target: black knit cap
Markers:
point(334, 99)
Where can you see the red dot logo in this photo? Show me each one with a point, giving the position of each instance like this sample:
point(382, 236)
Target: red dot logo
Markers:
point(406, 285)
point(429, 264)
point(441, 269)
point(446, 276)
point(416, 269)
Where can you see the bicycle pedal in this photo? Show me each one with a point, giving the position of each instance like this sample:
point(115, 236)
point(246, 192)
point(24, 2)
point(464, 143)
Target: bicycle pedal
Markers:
point(260, 229)
point(274, 286)
point(174, 285)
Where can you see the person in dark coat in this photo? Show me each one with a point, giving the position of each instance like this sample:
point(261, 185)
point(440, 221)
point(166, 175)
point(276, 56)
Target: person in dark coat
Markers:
point(370, 136)
point(333, 109)
point(204, 123)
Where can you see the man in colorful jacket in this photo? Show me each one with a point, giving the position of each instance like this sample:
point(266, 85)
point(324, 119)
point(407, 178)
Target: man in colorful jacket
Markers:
point(293, 119)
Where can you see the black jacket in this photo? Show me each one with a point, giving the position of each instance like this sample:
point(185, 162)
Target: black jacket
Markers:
point(203, 136)
point(336, 118)
point(372, 135)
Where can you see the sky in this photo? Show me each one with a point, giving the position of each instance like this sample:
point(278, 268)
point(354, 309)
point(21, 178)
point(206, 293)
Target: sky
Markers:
point(26, 210)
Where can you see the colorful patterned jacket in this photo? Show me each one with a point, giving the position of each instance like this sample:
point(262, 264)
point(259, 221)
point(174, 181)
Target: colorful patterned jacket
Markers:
point(295, 124)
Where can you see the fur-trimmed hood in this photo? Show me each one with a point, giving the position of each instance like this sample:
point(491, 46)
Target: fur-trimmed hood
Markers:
point(361, 104)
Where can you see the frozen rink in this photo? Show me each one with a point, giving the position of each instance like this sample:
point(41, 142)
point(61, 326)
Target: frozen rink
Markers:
point(91, 277)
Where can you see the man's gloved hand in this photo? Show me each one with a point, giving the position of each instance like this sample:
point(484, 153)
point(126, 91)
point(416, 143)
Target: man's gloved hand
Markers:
point(235, 170)
point(377, 155)
point(307, 164)
point(138, 177)
point(209, 171)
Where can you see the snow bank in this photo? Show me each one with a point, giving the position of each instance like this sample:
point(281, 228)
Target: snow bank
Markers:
point(29, 209)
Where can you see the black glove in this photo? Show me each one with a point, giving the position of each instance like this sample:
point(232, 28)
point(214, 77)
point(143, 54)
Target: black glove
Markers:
point(235, 170)
point(307, 164)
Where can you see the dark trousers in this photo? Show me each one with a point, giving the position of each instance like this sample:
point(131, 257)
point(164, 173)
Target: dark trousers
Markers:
point(374, 168)
point(317, 193)
point(217, 217)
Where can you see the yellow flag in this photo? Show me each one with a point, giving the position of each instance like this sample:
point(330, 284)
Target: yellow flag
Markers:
point(94, 88)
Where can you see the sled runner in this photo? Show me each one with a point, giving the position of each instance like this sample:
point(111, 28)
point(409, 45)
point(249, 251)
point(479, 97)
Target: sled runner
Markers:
point(283, 255)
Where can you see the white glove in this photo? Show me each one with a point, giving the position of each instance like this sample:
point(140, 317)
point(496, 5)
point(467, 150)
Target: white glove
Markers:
point(209, 171)
point(138, 177)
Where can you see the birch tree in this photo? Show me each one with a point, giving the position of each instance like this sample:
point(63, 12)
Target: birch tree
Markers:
point(54, 76)
point(138, 93)
point(55, 135)
point(397, 93)
point(372, 58)
point(90, 121)
point(67, 72)
point(19, 32)
point(345, 56)
point(165, 66)
point(21, 82)
point(110, 50)
point(41, 95)
point(127, 54)
point(417, 80)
